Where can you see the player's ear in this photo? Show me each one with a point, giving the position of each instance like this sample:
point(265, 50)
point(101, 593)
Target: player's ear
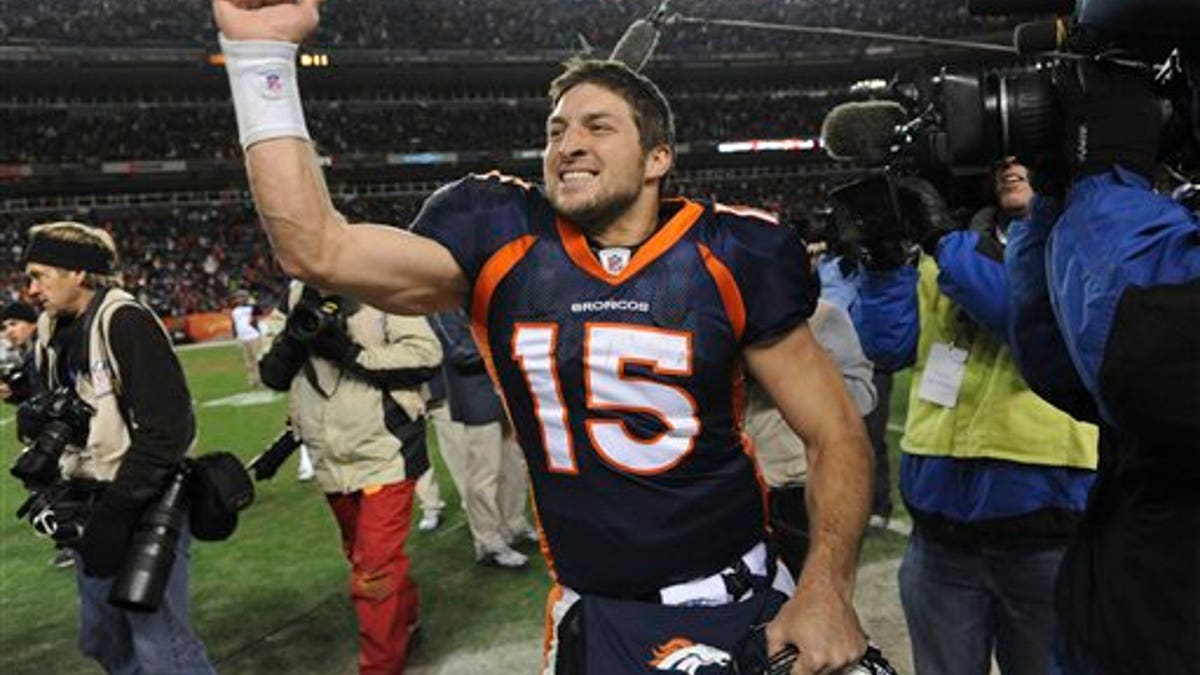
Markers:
point(659, 161)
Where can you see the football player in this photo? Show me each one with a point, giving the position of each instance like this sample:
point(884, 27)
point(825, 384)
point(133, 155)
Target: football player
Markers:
point(618, 325)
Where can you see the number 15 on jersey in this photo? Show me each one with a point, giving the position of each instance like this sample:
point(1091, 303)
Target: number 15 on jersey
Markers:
point(608, 349)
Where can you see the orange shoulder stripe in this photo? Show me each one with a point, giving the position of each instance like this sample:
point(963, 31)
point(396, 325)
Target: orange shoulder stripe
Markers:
point(493, 272)
point(731, 295)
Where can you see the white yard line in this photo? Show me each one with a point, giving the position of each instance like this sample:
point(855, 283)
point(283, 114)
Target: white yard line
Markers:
point(211, 344)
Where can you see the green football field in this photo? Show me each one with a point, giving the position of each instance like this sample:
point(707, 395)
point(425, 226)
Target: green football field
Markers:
point(273, 598)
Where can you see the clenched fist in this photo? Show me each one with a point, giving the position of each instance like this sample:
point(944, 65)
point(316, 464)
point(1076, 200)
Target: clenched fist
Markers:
point(279, 20)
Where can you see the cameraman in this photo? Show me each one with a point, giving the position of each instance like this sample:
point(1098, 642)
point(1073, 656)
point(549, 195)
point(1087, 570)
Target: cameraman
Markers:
point(1106, 325)
point(18, 321)
point(111, 350)
point(356, 400)
point(994, 477)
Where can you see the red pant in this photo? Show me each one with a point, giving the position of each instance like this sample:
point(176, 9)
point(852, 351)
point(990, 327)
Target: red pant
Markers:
point(374, 527)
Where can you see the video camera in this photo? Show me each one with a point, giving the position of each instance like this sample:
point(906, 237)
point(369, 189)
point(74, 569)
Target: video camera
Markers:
point(962, 121)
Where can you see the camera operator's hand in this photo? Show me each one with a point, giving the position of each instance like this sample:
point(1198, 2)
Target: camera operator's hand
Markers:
point(1112, 117)
point(106, 538)
point(334, 344)
point(926, 208)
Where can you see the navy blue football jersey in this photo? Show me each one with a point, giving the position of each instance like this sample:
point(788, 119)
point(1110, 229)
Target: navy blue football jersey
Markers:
point(625, 386)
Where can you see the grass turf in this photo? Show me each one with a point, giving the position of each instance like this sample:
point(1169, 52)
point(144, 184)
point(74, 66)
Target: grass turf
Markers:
point(274, 597)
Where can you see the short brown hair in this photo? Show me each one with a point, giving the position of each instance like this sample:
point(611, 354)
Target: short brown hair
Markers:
point(651, 112)
point(84, 234)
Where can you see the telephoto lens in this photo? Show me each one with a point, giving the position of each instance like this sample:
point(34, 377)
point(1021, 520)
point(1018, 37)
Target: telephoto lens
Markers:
point(140, 585)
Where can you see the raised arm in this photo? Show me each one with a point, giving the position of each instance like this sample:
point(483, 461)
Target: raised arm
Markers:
point(802, 379)
point(388, 267)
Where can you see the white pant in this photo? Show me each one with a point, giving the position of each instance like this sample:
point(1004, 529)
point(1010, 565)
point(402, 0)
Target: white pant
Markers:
point(490, 474)
point(429, 495)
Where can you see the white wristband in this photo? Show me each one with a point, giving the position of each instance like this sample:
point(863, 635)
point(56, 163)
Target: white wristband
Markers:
point(266, 95)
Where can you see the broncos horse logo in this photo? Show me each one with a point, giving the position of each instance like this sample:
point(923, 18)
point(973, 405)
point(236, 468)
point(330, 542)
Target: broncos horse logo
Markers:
point(681, 655)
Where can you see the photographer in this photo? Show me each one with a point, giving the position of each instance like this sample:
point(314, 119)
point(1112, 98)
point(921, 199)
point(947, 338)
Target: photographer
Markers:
point(354, 377)
point(994, 477)
point(18, 377)
point(97, 341)
point(1106, 325)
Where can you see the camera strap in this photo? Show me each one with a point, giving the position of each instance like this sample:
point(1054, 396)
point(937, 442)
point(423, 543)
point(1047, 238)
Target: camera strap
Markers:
point(310, 374)
point(109, 361)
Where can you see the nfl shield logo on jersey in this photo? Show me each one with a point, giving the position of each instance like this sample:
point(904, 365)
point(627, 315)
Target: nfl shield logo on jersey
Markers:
point(614, 259)
point(681, 655)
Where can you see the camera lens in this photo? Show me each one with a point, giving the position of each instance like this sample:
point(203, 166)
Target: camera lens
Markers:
point(305, 323)
point(1020, 113)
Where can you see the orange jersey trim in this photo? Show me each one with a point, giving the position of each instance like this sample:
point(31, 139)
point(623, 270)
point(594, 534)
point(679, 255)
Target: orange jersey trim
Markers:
point(493, 272)
point(662, 240)
point(731, 295)
point(552, 598)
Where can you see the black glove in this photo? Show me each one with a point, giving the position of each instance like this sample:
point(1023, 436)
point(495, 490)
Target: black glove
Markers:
point(1112, 115)
point(106, 538)
point(334, 344)
point(881, 255)
point(925, 208)
point(281, 363)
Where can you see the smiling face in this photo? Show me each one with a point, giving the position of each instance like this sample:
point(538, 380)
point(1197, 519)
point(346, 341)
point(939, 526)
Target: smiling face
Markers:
point(595, 167)
point(1013, 191)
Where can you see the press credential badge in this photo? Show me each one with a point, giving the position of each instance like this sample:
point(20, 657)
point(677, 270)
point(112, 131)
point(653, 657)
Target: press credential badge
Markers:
point(943, 375)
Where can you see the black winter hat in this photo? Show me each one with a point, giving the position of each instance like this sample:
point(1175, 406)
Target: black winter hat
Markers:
point(20, 311)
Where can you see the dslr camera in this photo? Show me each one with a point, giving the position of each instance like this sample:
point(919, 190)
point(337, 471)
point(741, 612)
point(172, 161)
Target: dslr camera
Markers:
point(312, 316)
point(49, 422)
point(315, 314)
point(12, 373)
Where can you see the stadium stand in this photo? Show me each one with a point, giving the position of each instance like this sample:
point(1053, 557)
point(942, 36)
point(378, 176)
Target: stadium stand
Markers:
point(494, 25)
point(80, 131)
point(159, 163)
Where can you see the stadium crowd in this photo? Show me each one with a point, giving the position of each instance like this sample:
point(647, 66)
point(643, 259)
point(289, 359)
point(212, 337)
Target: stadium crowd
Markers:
point(483, 24)
point(187, 260)
point(79, 133)
point(177, 261)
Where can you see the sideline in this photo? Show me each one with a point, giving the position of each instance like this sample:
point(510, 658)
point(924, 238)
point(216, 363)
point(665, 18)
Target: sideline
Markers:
point(211, 344)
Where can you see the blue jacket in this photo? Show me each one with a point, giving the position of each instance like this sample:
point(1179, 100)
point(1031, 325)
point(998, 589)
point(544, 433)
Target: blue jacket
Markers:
point(469, 391)
point(837, 288)
point(1119, 273)
point(1003, 497)
point(1106, 324)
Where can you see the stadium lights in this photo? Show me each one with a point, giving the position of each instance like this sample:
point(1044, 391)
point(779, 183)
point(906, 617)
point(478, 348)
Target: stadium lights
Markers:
point(314, 60)
point(787, 144)
point(869, 86)
point(307, 60)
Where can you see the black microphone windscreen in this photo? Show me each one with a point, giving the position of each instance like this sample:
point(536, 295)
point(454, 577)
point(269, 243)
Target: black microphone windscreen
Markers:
point(1037, 37)
point(636, 45)
point(1005, 7)
point(862, 131)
